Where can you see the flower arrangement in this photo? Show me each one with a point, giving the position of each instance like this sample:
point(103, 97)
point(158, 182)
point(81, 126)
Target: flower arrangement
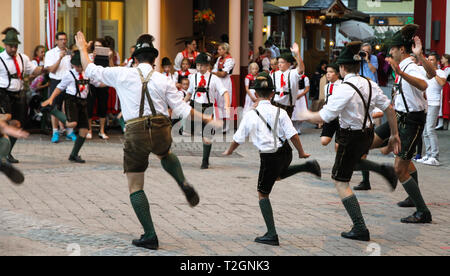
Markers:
point(204, 16)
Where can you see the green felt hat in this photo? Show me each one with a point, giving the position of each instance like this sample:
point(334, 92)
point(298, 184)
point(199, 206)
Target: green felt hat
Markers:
point(264, 82)
point(76, 58)
point(202, 58)
point(334, 66)
point(166, 62)
point(405, 36)
point(11, 37)
point(350, 54)
point(287, 56)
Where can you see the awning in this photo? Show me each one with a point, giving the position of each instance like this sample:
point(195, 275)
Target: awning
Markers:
point(335, 10)
point(269, 9)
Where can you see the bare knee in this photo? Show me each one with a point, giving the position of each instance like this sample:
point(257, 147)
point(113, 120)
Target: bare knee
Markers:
point(262, 196)
point(15, 123)
point(135, 182)
point(325, 141)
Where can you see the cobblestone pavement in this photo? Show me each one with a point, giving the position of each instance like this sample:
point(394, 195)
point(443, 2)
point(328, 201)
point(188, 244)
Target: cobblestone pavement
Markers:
point(65, 209)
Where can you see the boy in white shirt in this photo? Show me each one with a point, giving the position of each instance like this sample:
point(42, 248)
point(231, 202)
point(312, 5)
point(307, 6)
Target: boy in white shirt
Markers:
point(270, 128)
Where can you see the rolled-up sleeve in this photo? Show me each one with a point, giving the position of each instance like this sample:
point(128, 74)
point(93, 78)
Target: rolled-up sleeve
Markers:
point(180, 109)
point(287, 126)
point(336, 103)
point(243, 131)
point(109, 76)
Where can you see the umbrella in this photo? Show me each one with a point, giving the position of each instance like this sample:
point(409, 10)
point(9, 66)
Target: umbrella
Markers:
point(356, 30)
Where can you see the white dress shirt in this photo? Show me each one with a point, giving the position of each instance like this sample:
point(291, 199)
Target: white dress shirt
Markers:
point(348, 105)
point(27, 68)
point(215, 88)
point(51, 57)
point(259, 133)
point(68, 84)
point(294, 77)
point(128, 85)
point(434, 89)
point(328, 89)
point(414, 97)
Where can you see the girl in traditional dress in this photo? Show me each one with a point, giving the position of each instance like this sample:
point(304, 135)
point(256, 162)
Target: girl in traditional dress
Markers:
point(301, 105)
point(250, 79)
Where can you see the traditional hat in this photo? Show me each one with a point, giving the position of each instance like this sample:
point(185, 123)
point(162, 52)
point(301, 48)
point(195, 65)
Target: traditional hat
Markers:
point(334, 66)
point(76, 58)
point(264, 82)
point(350, 54)
point(11, 36)
point(166, 62)
point(144, 44)
point(202, 58)
point(288, 57)
point(405, 36)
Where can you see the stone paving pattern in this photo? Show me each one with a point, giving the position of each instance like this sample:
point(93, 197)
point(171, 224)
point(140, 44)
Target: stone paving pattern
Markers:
point(62, 204)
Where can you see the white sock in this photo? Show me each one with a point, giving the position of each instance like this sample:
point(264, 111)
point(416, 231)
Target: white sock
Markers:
point(55, 130)
point(69, 131)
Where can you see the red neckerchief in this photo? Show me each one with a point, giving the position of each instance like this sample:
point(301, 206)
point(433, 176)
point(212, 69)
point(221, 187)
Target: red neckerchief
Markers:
point(273, 71)
point(186, 55)
point(250, 77)
point(222, 61)
point(443, 69)
point(184, 74)
point(303, 77)
point(82, 87)
point(37, 60)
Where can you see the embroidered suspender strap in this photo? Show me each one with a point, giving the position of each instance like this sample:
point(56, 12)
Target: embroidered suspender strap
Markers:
point(290, 89)
point(207, 89)
point(145, 93)
point(9, 74)
point(400, 88)
point(275, 136)
point(77, 84)
point(328, 93)
point(366, 105)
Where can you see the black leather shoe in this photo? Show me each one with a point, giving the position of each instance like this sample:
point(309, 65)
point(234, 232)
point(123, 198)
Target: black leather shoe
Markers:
point(418, 217)
point(315, 168)
point(269, 240)
point(363, 186)
point(407, 203)
point(76, 159)
point(390, 175)
point(11, 159)
point(46, 109)
point(359, 235)
point(205, 166)
point(191, 195)
point(12, 173)
point(151, 244)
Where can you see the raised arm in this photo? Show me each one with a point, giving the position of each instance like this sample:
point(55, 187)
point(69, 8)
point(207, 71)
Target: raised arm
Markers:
point(82, 46)
point(300, 64)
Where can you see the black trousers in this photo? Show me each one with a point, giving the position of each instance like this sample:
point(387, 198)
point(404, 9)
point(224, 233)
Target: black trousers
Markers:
point(99, 96)
point(13, 103)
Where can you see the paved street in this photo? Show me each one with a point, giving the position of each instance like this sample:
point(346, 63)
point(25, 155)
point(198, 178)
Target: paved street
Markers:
point(87, 206)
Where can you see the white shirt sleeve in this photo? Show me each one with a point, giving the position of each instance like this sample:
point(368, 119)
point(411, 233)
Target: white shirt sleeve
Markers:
point(29, 66)
point(66, 81)
point(108, 76)
point(307, 84)
point(220, 88)
point(180, 109)
point(192, 84)
point(336, 103)
point(381, 100)
point(49, 61)
point(229, 65)
point(177, 62)
point(266, 64)
point(243, 131)
point(247, 82)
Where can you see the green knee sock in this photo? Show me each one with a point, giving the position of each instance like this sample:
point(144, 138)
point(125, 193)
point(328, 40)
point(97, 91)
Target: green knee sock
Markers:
point(172, 165)
point(351, 204)
point(5, 147)
point(142, 209)
point(415, 177)
point(206, 153)
point(292, 170)
point(266, 210)
point(13, 142)
point(77, 146)
point(122, 123)
point(59, 115)
point(366, 165)
point(412, 188)
point(366, 176)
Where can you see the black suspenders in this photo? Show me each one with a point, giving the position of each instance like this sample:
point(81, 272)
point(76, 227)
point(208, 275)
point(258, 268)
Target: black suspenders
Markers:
point(77, 84)
point(207, 88)
point(289, 86)
point(268, 125)
point(400, 88)
point(366, 105)
point(15, 76)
